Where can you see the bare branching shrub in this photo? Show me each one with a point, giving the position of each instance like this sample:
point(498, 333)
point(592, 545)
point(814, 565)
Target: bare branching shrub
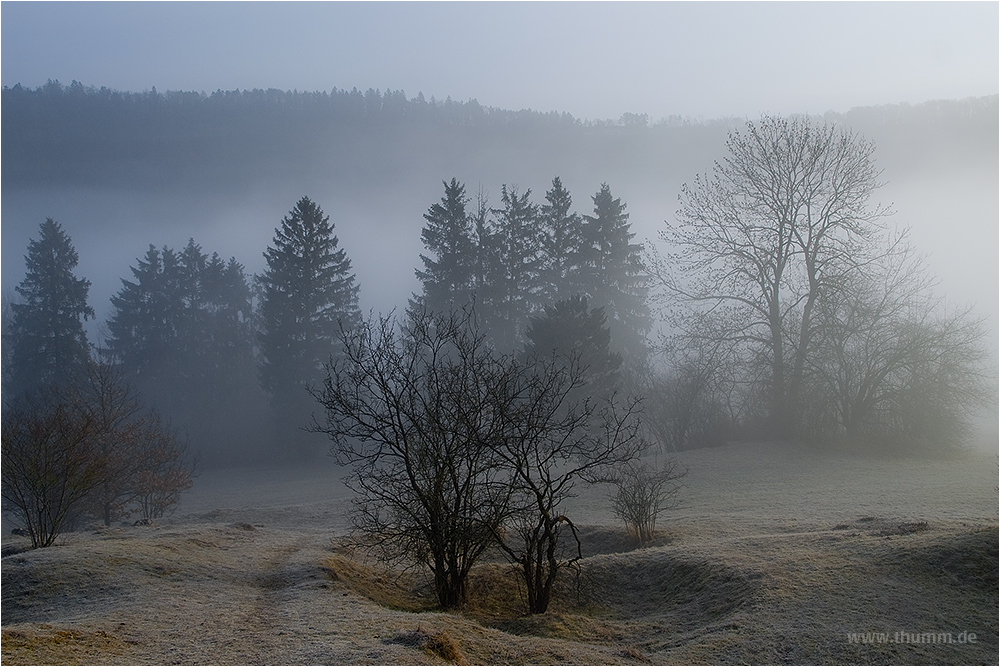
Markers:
point(87, 448)
point(682, 411)
point(894, 368)
point(643, 492)
point(553, 443)
point(49, 467)
point(416, 410)
point(163, 472)
point(454, 447)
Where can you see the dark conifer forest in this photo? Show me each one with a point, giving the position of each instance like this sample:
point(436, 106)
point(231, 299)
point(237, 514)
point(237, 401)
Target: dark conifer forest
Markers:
point(218, 247)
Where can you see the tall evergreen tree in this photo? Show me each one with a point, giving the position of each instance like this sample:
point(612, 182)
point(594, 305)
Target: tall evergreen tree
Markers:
point(182, 333)
point(447, 276)
point(560, 237)
point(517, 243)
point(148, 318)
point(613, 275)
point(47, 335)
point(228, 322)
point(308, 292)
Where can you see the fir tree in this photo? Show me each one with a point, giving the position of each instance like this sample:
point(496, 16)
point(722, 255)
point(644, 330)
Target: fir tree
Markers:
point(560, 237)
point(47, 335)
point(613, 275)
point(447, 276)
point(577, 335)
point(148, 318)
point(516, 241)
point(308, 293)
point(181, 332)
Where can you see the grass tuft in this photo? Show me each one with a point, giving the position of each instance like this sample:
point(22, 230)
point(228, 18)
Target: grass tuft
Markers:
point(434, 642)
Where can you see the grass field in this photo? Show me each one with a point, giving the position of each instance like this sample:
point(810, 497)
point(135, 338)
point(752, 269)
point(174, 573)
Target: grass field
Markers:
point(777, 556)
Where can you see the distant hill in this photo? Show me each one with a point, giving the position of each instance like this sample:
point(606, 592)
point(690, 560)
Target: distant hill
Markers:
point(122, 170)
point(58, 135)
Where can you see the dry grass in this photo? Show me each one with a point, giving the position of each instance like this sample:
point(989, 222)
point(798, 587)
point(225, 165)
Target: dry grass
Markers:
point(742, 575)
point(47, 645)
point(433, 642)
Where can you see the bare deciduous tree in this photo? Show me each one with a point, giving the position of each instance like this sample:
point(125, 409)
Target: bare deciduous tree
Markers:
point(416, 410)
point(553, 443)
point(454, 447)
point(163, 471)
point(893, 362)
point(87, 448)
point(782, 218)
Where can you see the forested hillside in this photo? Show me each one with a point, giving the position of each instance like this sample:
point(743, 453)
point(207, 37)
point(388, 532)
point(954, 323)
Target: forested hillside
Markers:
point(75, 135)
point(185, 164)
point(132, 177)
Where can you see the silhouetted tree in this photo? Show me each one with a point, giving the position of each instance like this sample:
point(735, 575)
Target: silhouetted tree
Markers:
point(49, 344)
point(454, 446)
point(775, 228)
point(49, 468)
point(572, 333)
point(182, 332)
point(643, 492)
point(561, 241)
point(163, 469)
point(447, 276)
point(614, 277)
point(516, 241)
point(892, 366)
point(148, 318)
point(553, 442)
point(308, 294)
point(417, 410)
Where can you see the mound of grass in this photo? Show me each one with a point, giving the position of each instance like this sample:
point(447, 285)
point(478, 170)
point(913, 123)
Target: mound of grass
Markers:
point(883, 527)
point(968, 560)
point(402, 591)
point(47, 645)
point(597, 540)
point(656, 583)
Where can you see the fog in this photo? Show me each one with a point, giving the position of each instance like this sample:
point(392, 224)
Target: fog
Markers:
point(947, 198)
point(641, 97)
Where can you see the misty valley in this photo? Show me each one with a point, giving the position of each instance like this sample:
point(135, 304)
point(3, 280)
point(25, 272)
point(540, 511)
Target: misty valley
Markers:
point(315, 378)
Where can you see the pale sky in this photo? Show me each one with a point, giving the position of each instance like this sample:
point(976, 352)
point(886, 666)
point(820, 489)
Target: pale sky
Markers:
point(591, 59)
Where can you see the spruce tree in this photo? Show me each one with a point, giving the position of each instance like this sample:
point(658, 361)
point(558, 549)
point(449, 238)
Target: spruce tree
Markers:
point(181, 332)
point(560, 238)
point(613, 275)
point(517, 242)
point(47, 335)
point(308, 293)
point(148, 319)
point(578, 335)
point(447, 276)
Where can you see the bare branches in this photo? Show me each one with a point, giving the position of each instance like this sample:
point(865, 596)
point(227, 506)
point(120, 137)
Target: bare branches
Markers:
point(775, 227)
point(87, 448)
point(49, 465)
point(454, 446)
point(413, 409)
point(643, 492)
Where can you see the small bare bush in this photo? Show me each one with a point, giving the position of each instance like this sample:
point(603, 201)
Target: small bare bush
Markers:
point(643, 492)
point(49, 465)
